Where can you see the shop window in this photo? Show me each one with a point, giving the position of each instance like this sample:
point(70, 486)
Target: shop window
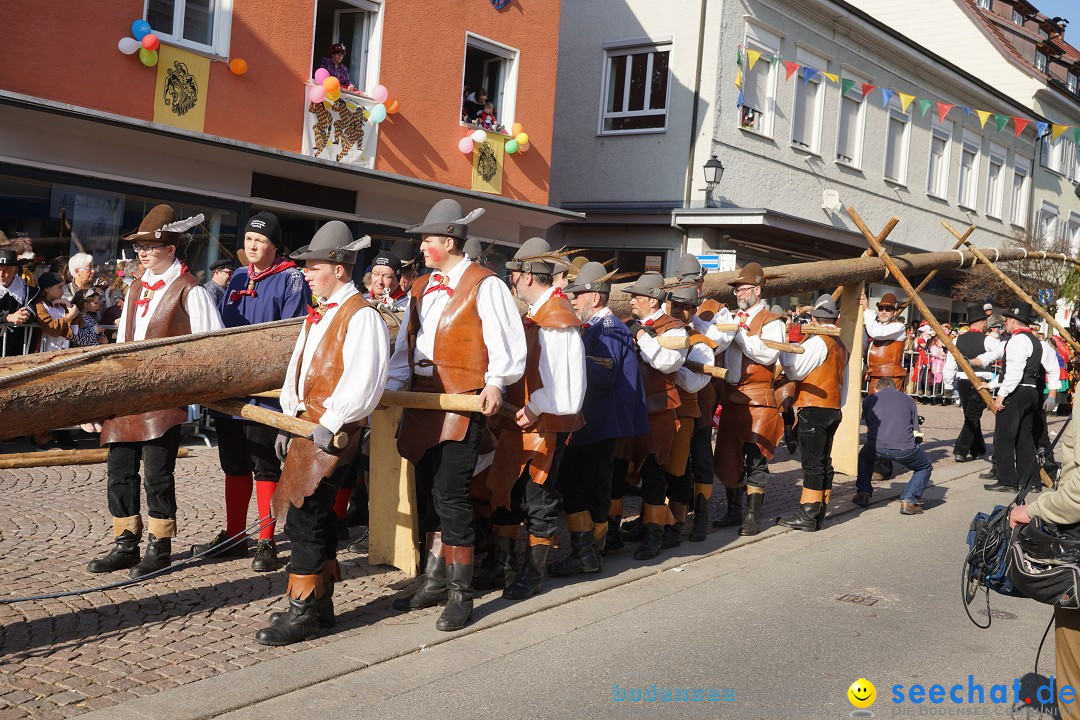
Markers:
point(491, 72)
point(202, 25)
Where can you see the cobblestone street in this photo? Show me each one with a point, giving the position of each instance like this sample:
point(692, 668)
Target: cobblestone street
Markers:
point(63, 657)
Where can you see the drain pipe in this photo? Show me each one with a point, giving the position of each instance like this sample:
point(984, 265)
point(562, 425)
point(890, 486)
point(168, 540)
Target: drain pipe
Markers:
point(693, 114)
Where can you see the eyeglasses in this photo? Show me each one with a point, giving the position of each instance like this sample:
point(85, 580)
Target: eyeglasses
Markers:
point(146, 248)
point(744, 289)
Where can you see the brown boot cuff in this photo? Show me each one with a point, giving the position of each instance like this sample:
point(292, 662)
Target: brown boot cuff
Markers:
point(755, 490)
point(580, 521)
point(811, 496)
point(615, 510)
point(678, 511)
point(331, 571)
point(458, 554)
point(703, 489)
point(507, 531)
point(435, 544)
point(656, 515)
point(133, 523)
point(533, 540)
point(162, 528)
point(599, 530)
point(301, 587)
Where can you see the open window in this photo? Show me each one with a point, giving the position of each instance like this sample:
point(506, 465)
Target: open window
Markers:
point(635, 88)
point(356, 24)
point(202, 25)
point(490, 76)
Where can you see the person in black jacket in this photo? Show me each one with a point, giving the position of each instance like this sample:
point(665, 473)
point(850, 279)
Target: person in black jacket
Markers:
point(15, 301)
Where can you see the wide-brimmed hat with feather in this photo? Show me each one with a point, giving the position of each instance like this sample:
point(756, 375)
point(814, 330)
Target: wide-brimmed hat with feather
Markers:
point(333, 242)
point(448, 219)
point(161, 224)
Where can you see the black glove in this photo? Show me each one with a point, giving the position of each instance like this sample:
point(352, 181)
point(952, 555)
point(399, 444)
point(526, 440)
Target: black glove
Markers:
point(281, 445)
point(636, 327)
point(323, 439)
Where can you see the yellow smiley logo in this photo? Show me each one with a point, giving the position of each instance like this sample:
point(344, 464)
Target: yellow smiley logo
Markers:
point(862, 693)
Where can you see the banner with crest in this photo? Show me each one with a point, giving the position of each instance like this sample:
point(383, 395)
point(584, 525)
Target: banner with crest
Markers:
point(183, 79)
point(340, 130)
point(487, 169)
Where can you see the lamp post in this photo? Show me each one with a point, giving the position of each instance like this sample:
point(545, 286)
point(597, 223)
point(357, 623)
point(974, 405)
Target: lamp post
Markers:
point(714, 172)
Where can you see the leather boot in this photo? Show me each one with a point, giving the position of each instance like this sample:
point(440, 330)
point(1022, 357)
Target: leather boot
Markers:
point(600, 534)
point(806, 517)
point(751, 524)
point(124, 554)
point(331, 573)
point(433, 591)
point(613, 541)
point(158, 556)
point(301, 621)
point(582, 558)
point(672, 536)
point(824, 509)
point(531, 576)
point(499, 566)
point(701, 518)
point(459, 597)
point(634, 530)
point(650, 546)
point(733, 515)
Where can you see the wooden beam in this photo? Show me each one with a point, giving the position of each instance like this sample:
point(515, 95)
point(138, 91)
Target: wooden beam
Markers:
point(392, 518)
point(845, 452)
point(55, 458)
point(926, 280)
point(264, 416)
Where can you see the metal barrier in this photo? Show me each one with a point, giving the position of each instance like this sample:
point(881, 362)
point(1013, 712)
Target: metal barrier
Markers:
point(10, 347)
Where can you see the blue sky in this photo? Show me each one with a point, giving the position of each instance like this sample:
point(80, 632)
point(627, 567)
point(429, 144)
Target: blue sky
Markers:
point(1068, 9)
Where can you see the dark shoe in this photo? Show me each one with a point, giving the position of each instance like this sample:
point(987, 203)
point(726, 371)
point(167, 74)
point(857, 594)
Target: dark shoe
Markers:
point(158, 556)
point(459, 597)
point(990, 474)
point(613, 541)
point(861, 499)
point(633, 530)
point(582, 557)
point(907, 508)
point(650, 546)
point(805, 518)
point(528, 580)
point(701, 518)
point(124, 554)
point(1000, 487)
point(325, 605)
point(959, 458)
point(360, 544)
point(672, 537)
point(733, 516)
point(433, 591)
point(299, 623)
point(217, 548)
point(751, 524)
point(499, 565)
point(265, 559)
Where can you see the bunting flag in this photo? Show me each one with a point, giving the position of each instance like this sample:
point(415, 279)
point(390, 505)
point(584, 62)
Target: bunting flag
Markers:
point(984, 115)
point(790, 67)
point(867, 88)
point(886, 96)
point(905, 101)
point(1001, 121)
point(738, 78)
point(845, 85)
point(833, 77)
point(968, 111)
point(1020, 123)
point(943, 110)
point(809, 74)
point(924, 105)
point(752, 56)
point(1056, 130)
point(1042, 127)
point(738, 56)
point(739, 102)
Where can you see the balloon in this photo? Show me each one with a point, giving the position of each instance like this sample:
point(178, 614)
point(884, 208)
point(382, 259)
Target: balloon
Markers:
point(479, 136)
point(148, 57)
point(128, 45)
point(140, 28)
point(321, 74)
point(523, 148)
point(465, 145)
point(393, 107)
point(380, 93)
point(511, 146)
point(522, 139)
point(377, 114)
point(516, 129)
point(332, 84)
point(333, 96)
point(238, 66)
point(316, 93)
point(150, 42)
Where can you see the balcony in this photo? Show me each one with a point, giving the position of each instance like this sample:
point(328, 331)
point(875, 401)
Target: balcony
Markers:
point(340, 131)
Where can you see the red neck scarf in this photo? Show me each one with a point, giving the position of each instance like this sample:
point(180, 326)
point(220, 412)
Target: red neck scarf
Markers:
point(438, 282)
point(315, 314)
point(148, 290)
point(280, 264)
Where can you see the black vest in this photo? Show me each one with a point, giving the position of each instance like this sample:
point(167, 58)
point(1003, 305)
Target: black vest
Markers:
point(971, 344)
point(1033, 371)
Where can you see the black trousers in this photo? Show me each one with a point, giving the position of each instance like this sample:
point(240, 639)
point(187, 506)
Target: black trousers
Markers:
point(701, 455)
point(1014, 436)
point(534, 504)
point(817, 428)
point(312, 527)
point(585, 478)
point(446, 471)
point(159, 458)
point(755, 466)
point(653, 482)
point(619, 468)
point(970, 440)
point(680, 489)
point(247, 447)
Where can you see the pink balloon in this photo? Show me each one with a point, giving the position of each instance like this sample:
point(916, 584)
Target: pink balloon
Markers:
point(321, 74)
point(380, 93)
point(316, 93)
point(465, 145)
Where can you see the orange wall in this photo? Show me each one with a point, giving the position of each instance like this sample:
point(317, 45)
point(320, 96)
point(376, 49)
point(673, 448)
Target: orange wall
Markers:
point(423, 54)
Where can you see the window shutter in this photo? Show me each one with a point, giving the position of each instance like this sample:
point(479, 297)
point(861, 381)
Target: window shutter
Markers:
point(846, 140)
point(802, 120)
point(893, 149)
point(755, 86)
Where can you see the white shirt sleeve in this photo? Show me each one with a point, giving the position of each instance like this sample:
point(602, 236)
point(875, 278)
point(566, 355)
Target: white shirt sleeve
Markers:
point(949, 371)
point(288, 400)
point(1051, 365)
point(1016, 355)
point(562, 372)
point(993, 353)
point(662, 359)
point(754, 347)
point(367, 356)
point(400, 373)
point(882, 331)
point(201, 310)
point(798, 365)
point(722, 339)
point(689, 380)
point(121, 323)
point(504, 335)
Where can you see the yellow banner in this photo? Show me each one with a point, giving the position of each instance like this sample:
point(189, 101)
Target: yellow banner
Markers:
point(487, 169)
point(183, 79)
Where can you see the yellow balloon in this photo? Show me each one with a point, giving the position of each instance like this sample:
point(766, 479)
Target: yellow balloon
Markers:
point(333, 95)
point(522, 139)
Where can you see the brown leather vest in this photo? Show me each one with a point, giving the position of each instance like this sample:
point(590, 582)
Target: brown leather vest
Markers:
point(886, 358)
point(661, 393)
point(555, 313)
point(755, 385)
point(327, 363)
point(821, 388)
point(170, 319)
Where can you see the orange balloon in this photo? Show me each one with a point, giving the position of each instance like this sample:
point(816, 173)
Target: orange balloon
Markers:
point(516, 129)
point(332, 84)
point(239, 66)
point(393, 107)
point(523, 147)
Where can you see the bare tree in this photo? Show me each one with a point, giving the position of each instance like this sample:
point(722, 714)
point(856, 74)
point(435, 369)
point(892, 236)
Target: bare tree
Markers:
point(1034, 275)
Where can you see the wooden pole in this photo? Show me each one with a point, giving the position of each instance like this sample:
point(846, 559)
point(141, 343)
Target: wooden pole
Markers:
point(56, 458)
point(1015, 288)
point(845, 453)
point(294, 425)
point(392, 517)
point(832, 330)
point(926, 280)
point(710, 370)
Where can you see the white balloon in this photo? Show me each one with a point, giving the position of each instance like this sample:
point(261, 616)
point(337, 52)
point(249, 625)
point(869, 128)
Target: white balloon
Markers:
point(128, 45)
point(479, 136)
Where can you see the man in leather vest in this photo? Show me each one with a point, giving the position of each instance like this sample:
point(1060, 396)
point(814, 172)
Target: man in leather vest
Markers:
point(972, 344)
point(167, 301)
point(335, 378)
point(820, 378)
point(658, 367)
point(884, 358)
point(750, 422)
point(462, 334)
point(614, 408)
point(16, 299)
point(550, 395)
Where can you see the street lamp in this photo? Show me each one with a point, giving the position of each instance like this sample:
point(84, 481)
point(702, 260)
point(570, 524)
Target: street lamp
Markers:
point(714, 173)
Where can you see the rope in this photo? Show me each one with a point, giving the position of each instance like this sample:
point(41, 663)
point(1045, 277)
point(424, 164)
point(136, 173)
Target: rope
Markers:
point(125, 347)
point(962, 257)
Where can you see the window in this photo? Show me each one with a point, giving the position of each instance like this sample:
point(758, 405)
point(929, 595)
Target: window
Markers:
point(984, 4)
point(202, 25)
point(849, 132)
point(1073, 82)
point(1020, 187)
point(1017, 18)
point(896, 143)
point(759, 84)
point(636, 94)
point(1073, 163)
point(1052, 155)
point(1073, 234)
point(1047, 224)
point(492, 67)
point(356, 28)
point(809, 103)
point(1043, 33)
point(1040, 61)
point(937, 177)
point(969, 170)
point(995, 180)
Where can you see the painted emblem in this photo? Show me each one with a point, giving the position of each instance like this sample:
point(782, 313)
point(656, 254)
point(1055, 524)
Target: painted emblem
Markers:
point(486, 163)
point(180, 93)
